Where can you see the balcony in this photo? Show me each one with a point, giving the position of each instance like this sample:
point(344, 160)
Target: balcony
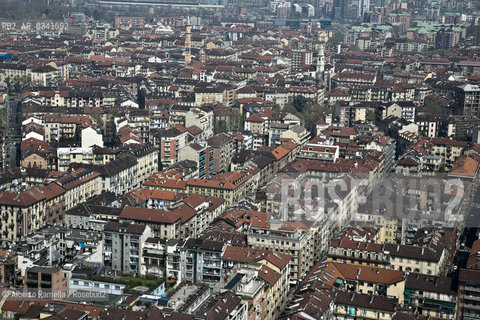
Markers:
point(473, 289)
point(472, 306)
point(212, 264)
point(472, 298)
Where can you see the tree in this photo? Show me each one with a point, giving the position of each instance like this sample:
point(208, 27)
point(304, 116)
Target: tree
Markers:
point(276, 108)
point(338, 38)
point(313, 112)
point(236, 121)
point(299, 102)
point(220, 126)
point(291, 109)
point(432, 107)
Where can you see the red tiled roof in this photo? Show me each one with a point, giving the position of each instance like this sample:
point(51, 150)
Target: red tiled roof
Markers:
point(149, 215)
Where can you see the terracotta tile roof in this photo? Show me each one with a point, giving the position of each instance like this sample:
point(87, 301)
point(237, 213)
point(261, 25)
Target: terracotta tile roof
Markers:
point(52, 190)
point(194, 130)
point(79, 176)
point(339, 132)
point(269, 275)
point(464, 166)
point(369, 274)
point(166, 179)
point(474, 257)
point(22, 199)
point(146, 194)
point(22, 306)
point(279, 152)
point(185, 212)
point(366, 301)
point(250, 255)
point(174, 132)
point(149, 215)
point(254, 218)
point(34, 144)
point(226, 181)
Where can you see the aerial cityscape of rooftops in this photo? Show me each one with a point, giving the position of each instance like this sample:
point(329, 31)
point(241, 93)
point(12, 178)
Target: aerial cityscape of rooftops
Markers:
point(239, 159)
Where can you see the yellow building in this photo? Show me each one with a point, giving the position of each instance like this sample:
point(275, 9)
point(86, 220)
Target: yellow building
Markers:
point(363, 306)
point(80, 185)
point(230, 186)
point(22, 213)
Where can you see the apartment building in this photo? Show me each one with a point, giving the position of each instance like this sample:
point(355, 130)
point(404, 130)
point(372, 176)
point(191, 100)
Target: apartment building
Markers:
point(230, 186)
point(259, 123)
point(448, 149)
point(271, 267)
point(350, 305)
point(45, 75)
point(80, 185)
point(468, 303)
point(293, 238)
point(315, 294)
point(297, 133)
point(164, 224)
point(432, 296)
point(54, 204)
point(202, 155)
point(120, 175)
point(202, 118)
point(412, 258)
point(65, 127)
point(222, 148)
point(360, 279)
point(350, 79)
point(44, 278)
point(147, 161)
point(171, 142)
point(15, 71)
point(468, 98)
point(275, 133)
point(67, 156)
point(88, 216)
point(223, 306)
point(201, 261)
point(123, 246)
point(348, 113)
point(252, 289)
point(387, 227)
point(300, 57)
point(161, 258)
point(15, 223)
point(198, 212)
point(128, 22)
point(210, 95)
point(177, 115)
